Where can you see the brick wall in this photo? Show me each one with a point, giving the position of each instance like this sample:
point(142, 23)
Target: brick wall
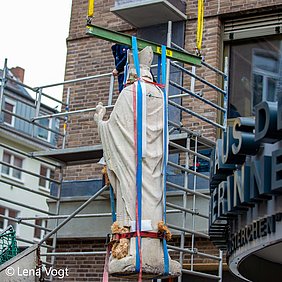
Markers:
point(81, 268)
point(234, 7)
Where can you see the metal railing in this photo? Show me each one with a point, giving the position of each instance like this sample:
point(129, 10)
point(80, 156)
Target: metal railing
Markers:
point(41, 109)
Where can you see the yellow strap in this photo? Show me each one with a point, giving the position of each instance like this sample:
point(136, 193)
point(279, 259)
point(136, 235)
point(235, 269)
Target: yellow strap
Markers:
point(200, 25)
point(90, 8)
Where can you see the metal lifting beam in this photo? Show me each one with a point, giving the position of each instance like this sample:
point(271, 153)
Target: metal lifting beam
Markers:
point(125, 39)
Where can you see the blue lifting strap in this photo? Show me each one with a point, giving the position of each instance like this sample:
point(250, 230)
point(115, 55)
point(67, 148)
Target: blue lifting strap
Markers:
point(165, 157)
point(112, 199)
point(139, 151)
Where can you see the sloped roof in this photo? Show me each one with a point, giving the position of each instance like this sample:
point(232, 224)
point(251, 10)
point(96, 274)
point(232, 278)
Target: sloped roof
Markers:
point(15, 86)
point(21, 90)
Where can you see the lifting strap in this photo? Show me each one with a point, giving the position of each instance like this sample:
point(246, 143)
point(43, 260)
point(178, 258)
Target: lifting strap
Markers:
point(200, 25)
point(90, 13)
point(112, 199)
point(138, 109)
point(165, 152)
point(128, 235)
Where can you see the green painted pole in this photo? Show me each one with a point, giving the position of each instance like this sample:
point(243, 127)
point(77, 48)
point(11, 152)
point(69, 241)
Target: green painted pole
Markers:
point(125, 39)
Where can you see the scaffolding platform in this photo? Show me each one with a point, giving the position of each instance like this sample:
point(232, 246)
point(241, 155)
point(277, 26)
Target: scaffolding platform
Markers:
point(92, 154)
point(72, 156)
point(152, 12)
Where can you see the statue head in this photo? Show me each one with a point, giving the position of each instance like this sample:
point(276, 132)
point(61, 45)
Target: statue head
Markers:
point(145, 57)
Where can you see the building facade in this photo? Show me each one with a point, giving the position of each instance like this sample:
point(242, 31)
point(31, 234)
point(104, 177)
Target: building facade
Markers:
point(25, 182)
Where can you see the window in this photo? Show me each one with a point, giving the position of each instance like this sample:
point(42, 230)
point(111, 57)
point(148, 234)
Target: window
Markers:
point(57, 129)
point(4, 222)
point(265, 76)
point(46, 172)
point(38, 232)
point(253, 46)
point(14, 160)
point(255, 69)
point(42, 132)
point(12, 214)
point(9, 106)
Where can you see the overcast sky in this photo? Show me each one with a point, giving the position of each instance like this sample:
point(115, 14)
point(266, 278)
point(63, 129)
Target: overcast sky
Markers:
point(33, 36)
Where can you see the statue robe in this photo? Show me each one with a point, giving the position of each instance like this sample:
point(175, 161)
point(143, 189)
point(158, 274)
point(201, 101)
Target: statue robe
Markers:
point(117, 135)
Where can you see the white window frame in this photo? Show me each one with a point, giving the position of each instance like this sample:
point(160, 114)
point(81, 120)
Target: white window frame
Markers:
point(6, 221)
point(12, 102)
point(10, 175)
point(266, 75)
point(48, 131)
point(47, 184)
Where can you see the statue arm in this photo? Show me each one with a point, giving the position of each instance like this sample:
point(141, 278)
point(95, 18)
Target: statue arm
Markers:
point(100, 113)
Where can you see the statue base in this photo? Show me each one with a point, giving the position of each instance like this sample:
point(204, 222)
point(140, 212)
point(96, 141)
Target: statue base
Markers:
point(149, 273)
point(152, 262)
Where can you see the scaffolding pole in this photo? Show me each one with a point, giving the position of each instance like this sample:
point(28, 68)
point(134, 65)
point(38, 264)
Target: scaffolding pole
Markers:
point(54, 254)
point(29, 172)
point(202, 274)
point(181, 148)
point(66, 118)
point(66, 216)
point(24, 206)
point(74, 213)
point(194, 251)
point(19, 221)
point(194, 158)
point(196, 115)
point(96, 76)
point(69, 113)
point(173, 185)
point(198, 78)
point(58, 206)
point(184, 203)
point(13, 184)
point(197, 96)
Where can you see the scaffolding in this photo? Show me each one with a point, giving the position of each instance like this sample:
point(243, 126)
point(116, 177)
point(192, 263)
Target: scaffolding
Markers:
point(189, 144)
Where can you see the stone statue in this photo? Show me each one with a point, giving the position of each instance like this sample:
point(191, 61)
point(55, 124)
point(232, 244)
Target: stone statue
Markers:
point(117, 136)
